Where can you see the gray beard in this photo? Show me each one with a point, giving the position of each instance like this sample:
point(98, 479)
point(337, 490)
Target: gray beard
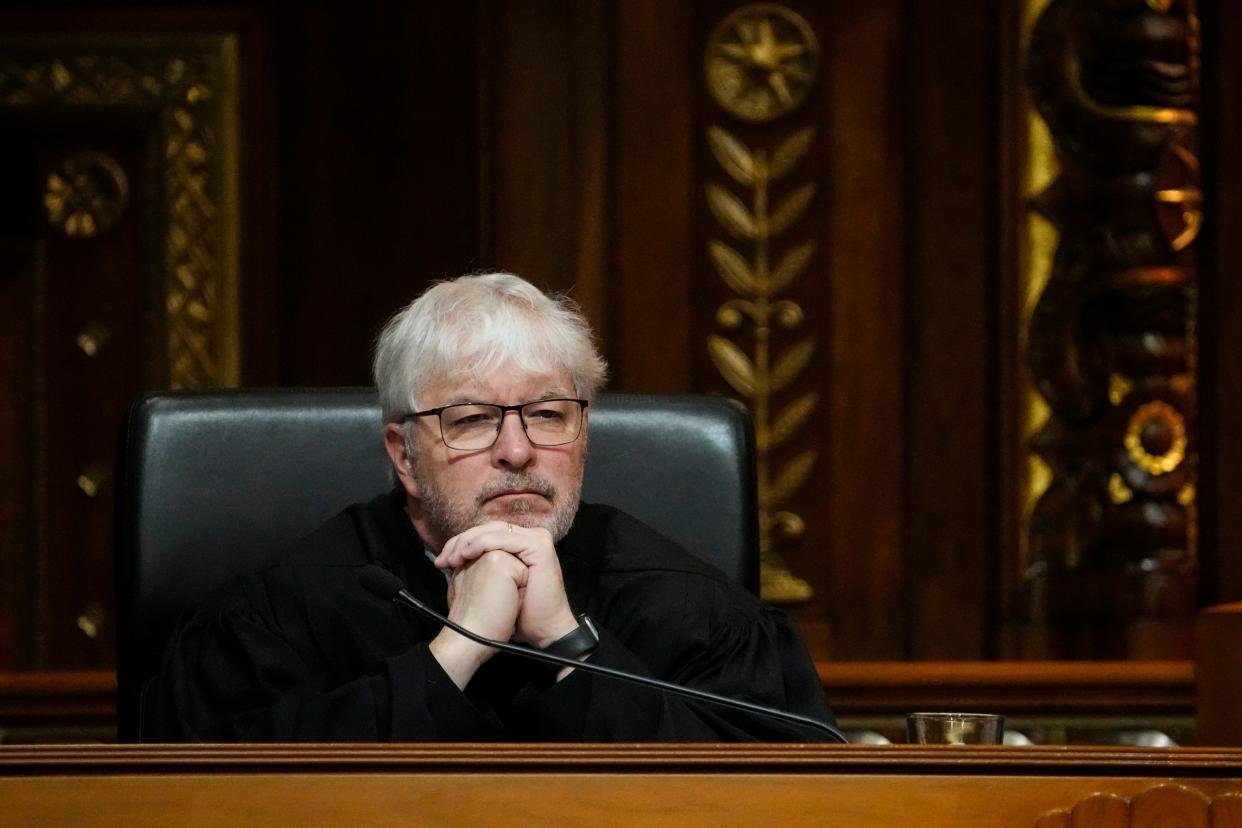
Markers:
point(449, 519)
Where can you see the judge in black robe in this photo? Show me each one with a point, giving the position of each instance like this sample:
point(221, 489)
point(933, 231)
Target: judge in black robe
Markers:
point(300, 651)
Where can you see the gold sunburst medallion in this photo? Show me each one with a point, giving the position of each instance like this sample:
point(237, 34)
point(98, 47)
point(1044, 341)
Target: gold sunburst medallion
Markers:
point(761, 61)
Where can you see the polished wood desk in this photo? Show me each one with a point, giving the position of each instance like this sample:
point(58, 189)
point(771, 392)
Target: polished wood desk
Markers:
point(770, 785)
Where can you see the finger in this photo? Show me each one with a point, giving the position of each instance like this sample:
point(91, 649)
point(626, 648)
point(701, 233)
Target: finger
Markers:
point(498, 564)
point(488, 537)
point(462, 547)
point(539, 548)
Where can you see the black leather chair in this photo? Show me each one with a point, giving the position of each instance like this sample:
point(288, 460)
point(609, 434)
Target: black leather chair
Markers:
point(210, 482)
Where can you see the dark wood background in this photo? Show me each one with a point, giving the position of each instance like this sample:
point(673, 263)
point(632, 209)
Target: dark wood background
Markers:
point(385, 145)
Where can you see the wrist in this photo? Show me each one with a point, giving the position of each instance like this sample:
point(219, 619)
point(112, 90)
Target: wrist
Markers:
point(458, 656)
point(578, 643)
point(565, 624)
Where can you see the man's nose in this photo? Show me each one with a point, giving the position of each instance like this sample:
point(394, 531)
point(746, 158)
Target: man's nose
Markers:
point(512, 447)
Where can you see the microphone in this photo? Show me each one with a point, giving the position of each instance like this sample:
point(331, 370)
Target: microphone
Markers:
point(387, 586)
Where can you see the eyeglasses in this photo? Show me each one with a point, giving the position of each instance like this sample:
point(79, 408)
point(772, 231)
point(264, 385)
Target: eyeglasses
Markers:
point(475, 426)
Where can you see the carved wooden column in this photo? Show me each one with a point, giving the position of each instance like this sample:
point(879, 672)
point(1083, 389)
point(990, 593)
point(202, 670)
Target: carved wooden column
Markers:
point(1110, 567)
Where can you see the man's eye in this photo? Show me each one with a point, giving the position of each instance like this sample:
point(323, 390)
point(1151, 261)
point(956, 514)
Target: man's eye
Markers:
point(545, 414)
point(468, 420)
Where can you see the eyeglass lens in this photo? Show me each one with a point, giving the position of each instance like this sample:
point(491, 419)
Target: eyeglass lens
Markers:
point(476, 425)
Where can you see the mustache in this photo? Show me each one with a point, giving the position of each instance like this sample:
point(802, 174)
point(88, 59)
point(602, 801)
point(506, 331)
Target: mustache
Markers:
point(516, 480)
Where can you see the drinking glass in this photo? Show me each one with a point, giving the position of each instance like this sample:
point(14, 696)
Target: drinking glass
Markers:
point(955, 728)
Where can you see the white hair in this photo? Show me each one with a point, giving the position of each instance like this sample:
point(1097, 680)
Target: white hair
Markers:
point(476, 325)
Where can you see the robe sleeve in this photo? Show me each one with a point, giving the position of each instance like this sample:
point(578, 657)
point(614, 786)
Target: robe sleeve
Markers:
point(230, 674)
point(746, 651)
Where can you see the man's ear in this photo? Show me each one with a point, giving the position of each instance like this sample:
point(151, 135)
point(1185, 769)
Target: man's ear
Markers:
point(402, 463)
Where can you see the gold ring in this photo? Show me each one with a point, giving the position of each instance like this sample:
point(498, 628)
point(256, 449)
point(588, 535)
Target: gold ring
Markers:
point(508, 527)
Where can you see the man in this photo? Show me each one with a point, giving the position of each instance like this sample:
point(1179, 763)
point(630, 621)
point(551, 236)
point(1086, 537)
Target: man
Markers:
point(485, 384)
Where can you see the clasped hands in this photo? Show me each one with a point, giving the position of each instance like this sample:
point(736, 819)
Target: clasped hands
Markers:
point(506, 585)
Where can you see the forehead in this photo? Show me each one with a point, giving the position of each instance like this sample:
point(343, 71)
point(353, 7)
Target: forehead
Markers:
point(504, 387)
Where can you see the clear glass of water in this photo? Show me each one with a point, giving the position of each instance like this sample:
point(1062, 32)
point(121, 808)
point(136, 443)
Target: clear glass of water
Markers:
point(955, 728)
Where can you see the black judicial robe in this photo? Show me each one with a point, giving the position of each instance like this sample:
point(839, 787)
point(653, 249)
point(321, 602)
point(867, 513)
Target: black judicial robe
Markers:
point(300, 651)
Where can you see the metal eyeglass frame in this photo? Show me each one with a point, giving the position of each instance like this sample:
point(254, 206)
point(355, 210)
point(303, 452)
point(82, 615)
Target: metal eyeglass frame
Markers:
point(504, 411)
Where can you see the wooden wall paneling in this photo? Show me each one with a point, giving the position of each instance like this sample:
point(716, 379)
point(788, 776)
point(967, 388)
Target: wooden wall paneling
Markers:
point(1218, 673)
point(543, 146)
point(860, 548)
point(950, 492)
point(78, 345)
point(650, 297)
point(1012, 463)
point(98, 325)
point(21, 411)
point(20, 421)
point(144, 303)
point(96, 355)
point(1086, 690)
point(1220, 307)
point(378, 177)
point(259, 200)
point(593, 40)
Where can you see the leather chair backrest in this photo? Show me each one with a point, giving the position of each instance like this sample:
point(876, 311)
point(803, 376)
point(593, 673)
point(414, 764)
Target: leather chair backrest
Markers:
point(210, 483)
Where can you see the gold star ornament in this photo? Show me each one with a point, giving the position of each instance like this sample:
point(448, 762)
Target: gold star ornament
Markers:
point(761, 61)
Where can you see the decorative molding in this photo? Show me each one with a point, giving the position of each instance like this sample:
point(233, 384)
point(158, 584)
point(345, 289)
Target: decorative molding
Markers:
point(190, 84)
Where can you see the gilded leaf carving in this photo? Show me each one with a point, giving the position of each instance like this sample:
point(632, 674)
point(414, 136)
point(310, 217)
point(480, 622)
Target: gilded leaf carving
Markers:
point(788, 524)
point(732, 267)
point(789, 153)
point(791, 209)
point(730, 212)
point(757, 273)
point(733, 365)
point(791, 266)
point(733, 156)
point(791, 363)
point(792, 418)
point(791, 478)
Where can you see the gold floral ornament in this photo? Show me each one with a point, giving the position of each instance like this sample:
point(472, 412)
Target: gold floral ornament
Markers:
point(764, 373)
point(86, 194)
point(761, 61)
point(1160, 423)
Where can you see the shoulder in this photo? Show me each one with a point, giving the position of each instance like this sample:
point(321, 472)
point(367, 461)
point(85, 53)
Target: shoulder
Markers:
point(613, 541)
point(313, 566)
point(634, 565)
point(307, 598)
point(361, 533)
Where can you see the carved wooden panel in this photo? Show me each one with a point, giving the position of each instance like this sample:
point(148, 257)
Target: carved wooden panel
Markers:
point(1111, 343)
point(120, 274)
point(1163, 805)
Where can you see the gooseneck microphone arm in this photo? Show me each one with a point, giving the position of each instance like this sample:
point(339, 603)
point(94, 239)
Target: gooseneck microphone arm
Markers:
point(383, 584)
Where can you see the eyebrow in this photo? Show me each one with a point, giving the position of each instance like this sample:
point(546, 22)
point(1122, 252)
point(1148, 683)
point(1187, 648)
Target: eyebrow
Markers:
point(547, 395)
